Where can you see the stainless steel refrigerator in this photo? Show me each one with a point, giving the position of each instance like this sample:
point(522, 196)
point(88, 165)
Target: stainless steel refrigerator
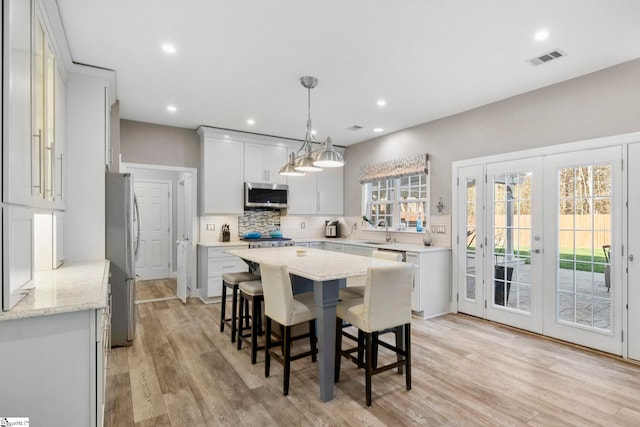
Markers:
point(122, 234)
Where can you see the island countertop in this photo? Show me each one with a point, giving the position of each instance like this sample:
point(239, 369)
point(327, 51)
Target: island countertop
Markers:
point(76, 286)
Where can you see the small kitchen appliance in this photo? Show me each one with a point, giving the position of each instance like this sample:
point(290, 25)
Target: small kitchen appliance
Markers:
point(331, 228)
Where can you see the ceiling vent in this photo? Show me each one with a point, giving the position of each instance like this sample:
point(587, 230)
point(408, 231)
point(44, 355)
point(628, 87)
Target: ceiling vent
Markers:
point(554, 54)
point(354, 127)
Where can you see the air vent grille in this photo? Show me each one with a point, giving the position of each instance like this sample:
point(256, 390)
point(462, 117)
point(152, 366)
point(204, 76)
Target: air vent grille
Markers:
point(550, 56)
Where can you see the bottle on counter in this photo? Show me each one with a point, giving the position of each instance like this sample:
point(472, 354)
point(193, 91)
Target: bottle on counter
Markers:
point(419, 223)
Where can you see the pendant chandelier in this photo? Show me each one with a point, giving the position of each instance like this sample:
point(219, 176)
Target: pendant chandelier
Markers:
point(305, 159)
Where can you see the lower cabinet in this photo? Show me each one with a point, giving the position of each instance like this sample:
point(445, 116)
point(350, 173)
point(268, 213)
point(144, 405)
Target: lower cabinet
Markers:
point(213, 262)
point(431, 294)
point(54, 368)
point(335, 247)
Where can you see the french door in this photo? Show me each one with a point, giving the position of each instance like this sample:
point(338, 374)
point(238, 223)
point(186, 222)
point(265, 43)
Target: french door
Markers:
point(552, 253)
point(470, 263)
point(513, 262)
point(583, 263)
point(630, 258)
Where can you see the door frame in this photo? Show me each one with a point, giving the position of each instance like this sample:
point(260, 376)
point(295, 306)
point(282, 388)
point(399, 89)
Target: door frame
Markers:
point(578, 145)
point(127, 166)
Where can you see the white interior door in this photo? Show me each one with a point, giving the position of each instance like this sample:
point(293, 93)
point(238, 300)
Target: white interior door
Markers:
point(185, 232)
point(155, 229)
point(583, 248)
point(470, 267)
point(513, 262)
point(631, 261)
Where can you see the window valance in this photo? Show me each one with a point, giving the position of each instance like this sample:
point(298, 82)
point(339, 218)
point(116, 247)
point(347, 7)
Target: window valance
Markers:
point(412, 165)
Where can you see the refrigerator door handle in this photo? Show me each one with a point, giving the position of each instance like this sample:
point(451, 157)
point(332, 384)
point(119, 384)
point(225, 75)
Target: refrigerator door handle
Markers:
point(137, 211)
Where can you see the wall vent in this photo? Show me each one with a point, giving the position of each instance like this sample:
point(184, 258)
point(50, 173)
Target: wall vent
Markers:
point(354, 127)
point(550, 56)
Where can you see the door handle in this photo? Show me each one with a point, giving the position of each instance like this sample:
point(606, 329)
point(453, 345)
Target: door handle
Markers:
point(537, 251)
point(630, 257)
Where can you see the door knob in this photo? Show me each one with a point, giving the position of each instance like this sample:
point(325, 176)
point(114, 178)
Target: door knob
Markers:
point(630, 257)
point(536, 251)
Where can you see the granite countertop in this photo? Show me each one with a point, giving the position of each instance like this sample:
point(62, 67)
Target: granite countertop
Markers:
point(76, 286)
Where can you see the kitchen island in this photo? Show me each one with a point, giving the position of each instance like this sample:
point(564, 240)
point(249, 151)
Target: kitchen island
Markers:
point(327, 271)
point(53, 347)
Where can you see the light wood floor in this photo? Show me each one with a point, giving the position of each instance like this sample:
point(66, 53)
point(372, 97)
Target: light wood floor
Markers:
point(182, 371)
point(151, 290)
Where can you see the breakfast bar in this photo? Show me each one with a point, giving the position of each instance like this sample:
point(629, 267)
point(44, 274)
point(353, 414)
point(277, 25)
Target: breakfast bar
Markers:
point(328, 271)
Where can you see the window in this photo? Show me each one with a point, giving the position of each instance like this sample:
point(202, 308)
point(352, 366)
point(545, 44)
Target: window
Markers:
point(398, 201)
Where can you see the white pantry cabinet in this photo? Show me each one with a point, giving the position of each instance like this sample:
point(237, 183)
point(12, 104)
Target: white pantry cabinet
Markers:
point(221, 174)
point(263, 162)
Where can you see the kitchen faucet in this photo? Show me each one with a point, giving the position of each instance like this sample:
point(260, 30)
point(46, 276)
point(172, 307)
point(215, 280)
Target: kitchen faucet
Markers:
point(387, 234)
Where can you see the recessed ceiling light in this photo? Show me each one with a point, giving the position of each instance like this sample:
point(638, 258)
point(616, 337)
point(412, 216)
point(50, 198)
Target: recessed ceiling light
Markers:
point(541, 35)
point(314, 132)
point(251, 122)
point(172, 108)
point(381, 103)
point(378, 130)
point(169, 48)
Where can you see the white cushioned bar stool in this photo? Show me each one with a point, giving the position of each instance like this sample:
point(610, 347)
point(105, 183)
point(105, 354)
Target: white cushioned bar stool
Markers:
point(281, 306)
point(386, 305)
point(231, 281)
point(352, 292)
point(250, 293)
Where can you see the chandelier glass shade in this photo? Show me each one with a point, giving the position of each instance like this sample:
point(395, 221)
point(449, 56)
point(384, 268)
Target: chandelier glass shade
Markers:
point(305, 159)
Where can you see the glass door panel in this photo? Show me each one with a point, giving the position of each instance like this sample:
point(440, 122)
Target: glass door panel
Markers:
point(470, 245)
point(514, 274)
point(583, 207)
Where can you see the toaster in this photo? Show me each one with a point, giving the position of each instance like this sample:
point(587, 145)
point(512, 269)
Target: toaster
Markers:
point(331, 229)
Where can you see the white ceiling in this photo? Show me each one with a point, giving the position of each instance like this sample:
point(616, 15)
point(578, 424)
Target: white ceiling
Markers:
point(240, 59)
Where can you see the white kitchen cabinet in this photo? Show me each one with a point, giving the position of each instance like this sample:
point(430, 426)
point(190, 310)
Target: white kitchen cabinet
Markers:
point(263, 162)
point(213, 262)
point(221, 175)
point(57, 365)
point(17, 251)
point(358, 250)
point(316, 245)
point(16, 81)
point(60, 139)
point(317, 193)
point(335, 247)
point(431, 294)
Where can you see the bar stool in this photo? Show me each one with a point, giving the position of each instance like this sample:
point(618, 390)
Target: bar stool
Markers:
point(386, 306)
point(352, 292)
point(250, 292)
point(231, 281)
point(288, 310)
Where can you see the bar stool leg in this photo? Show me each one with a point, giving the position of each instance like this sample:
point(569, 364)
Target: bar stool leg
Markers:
point(234, 312)
point(223, 307)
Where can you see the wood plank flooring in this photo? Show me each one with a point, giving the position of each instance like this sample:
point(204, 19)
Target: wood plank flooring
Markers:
point(181, 371)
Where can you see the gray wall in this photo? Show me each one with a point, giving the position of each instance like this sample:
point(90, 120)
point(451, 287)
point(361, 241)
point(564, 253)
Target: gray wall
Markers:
point(158, 145)
point(600, 104)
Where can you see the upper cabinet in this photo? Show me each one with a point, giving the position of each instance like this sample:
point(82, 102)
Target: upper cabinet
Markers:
point(317, 193)
point(34, 105)
point(16, 102)
point(263, 162)
point(221, 174)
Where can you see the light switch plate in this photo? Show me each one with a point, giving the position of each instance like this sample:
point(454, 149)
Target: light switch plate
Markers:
point(211, 227)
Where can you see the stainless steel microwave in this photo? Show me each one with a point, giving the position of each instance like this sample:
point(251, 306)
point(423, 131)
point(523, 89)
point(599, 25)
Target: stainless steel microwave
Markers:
point(259, 195)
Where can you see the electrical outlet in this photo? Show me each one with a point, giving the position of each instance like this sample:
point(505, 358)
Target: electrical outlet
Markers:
point(433, 228)
point(211, 227)
point(302, 225)
point(355, 225)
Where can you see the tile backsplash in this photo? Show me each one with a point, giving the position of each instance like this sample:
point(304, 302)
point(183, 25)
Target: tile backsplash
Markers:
point(260, 221)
